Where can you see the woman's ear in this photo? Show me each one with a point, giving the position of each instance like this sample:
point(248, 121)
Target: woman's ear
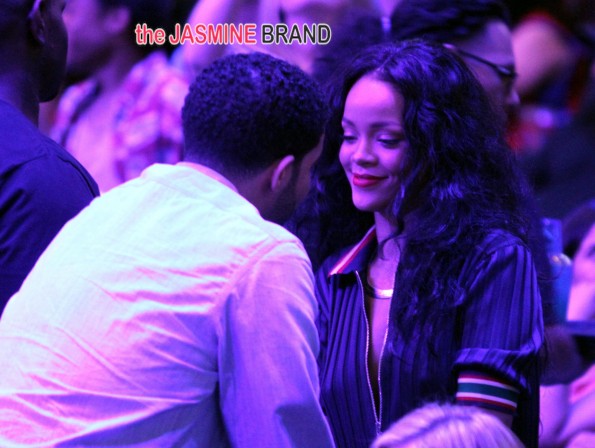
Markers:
point(282, 173)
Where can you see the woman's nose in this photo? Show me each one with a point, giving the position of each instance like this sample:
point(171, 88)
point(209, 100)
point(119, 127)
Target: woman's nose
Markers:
point(363, 152)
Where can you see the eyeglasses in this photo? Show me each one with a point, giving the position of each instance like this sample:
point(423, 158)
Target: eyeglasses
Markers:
point(505, 73)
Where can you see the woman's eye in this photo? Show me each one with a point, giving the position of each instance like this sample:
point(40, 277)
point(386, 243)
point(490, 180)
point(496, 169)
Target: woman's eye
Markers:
point(389, 142)
point(348, 138)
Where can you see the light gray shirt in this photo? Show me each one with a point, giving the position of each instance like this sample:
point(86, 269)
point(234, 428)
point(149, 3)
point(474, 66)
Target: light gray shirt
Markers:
point(167, 313)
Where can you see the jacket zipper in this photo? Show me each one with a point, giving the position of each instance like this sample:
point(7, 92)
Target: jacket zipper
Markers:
point(363, 296)
point(378, 425)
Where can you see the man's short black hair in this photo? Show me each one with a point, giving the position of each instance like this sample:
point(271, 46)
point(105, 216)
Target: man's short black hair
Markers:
point(246, 111)
point(444, 20)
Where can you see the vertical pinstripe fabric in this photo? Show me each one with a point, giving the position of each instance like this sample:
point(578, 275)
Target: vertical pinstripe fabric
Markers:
point(496, 328)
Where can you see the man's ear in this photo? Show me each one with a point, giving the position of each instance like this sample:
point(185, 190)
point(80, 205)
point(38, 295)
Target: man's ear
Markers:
point(37, 21)
point(282, 173)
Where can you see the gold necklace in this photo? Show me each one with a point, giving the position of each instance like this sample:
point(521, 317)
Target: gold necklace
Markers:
point(377, 293)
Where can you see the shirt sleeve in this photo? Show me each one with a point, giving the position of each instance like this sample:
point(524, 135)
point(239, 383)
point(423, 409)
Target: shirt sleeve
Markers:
point(502, 330)
point(269, 388)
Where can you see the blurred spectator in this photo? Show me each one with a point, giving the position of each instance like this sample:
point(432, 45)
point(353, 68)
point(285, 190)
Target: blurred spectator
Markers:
point(291, 12)
point(48, 110)
point(196, 57)
point(576, 225)
point(478, 30)
point(448, 426)
point(41, 185)
point(567, 410)
point(582, 295)
point(126, 114)
point(553, 55)
point(361, 30)
point(562, 172)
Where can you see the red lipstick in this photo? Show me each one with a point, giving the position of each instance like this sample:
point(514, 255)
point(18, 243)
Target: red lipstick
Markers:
point(365, 180)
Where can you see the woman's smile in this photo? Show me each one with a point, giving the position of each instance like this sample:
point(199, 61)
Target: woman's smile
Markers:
point(366, 180)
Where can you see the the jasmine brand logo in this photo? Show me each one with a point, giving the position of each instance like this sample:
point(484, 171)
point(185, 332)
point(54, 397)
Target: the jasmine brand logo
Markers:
point(230, 33)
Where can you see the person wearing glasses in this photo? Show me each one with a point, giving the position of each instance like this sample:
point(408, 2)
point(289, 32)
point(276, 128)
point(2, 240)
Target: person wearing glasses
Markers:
point(477, 30)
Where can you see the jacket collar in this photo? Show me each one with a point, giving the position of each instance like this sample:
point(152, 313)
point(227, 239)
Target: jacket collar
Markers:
point(356, 259)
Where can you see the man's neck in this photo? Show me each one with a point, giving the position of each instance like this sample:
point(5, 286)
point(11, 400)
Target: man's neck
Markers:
point(209, 172)
point(17, 90)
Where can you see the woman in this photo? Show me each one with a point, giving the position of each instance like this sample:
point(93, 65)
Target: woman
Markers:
point(438, 300)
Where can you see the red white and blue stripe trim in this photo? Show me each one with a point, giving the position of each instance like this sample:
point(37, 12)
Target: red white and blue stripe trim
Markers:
point(487, 391)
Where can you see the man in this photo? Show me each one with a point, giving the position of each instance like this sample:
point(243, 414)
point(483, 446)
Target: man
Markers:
point(125, 113)
point(41, 185)
point(171, 312)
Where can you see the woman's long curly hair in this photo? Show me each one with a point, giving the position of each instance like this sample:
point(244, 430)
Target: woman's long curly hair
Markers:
point(459, 179)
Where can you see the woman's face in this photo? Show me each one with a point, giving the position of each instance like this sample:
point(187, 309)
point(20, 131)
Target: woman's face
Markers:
point(374, 143)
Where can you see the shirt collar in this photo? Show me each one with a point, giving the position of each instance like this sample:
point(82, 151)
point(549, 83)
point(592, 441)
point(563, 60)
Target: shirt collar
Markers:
point(357, 257)
point(209, 172)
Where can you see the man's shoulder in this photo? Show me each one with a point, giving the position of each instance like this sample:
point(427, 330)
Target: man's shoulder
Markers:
point(45, 161)
point(271, 238)
point(21, 141)
point(26, 152)
point(264, 239)
point(225, 218)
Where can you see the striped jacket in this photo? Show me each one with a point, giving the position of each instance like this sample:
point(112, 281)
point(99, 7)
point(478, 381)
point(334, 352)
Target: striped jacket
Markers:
point(486, 353)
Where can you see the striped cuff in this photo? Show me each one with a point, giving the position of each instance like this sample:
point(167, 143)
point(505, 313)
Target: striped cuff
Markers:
point(479, 389)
